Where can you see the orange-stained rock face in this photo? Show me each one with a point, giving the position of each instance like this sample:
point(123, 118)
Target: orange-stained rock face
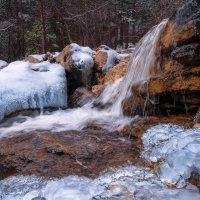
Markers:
point(116, 72)
point(175, 87)
point(100, 60)
point(31, 59)
point(97, 89)
point(186, 80)
point(113, 74)
point(65, 57)
point(175, 34)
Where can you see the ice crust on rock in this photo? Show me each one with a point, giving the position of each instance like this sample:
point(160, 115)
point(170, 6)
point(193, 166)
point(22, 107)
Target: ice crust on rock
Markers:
point(112, 57)
point(125, 183)
point(28, 86)
point(177, 149)
point(82, 57)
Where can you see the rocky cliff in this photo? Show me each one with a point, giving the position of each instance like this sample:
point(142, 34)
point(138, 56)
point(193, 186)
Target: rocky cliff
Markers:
point(174, 88)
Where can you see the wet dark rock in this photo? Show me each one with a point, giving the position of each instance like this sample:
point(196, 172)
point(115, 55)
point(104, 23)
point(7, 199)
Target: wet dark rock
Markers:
point(50, 57)
point(86, 153)
point(188, 55)
point(39, 198)
point(197, 117)
point(80, 97)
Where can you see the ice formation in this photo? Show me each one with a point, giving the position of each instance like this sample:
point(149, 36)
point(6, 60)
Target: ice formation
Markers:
point(126, 183)
point(2, 64)
point(29, 86)
point(111, 59)
point(177, 149)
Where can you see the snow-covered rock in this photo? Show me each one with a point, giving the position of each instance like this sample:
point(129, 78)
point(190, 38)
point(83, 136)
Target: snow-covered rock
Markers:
point(177, 149)
point(3, 64)
point(82, 57)
point(28, 86)
point(74, 55)
point(78, 62)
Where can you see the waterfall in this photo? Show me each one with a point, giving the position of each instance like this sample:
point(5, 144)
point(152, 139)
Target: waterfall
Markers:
point(143, 60)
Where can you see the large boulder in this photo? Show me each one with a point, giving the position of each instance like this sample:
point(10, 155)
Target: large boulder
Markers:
point(78, 63)
point(175, 86)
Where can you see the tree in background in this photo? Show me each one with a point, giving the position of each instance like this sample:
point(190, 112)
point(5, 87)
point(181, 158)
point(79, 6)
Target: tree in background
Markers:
point(43, 25)
point(37, 26)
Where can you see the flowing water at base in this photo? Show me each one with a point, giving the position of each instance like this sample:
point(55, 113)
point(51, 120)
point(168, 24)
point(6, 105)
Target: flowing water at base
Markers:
point(69, 119)
point(143, 59)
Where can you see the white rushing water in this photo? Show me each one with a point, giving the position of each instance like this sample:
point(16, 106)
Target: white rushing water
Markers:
point(139, 70)
point(143, 59)
point(69, 119)
point(129, 183)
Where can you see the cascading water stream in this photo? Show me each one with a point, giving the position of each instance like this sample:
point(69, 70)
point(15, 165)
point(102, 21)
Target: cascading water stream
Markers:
point(126, 183)
point(143, 59)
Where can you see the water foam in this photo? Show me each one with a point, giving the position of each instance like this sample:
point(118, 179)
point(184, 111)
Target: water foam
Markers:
point(144, 58)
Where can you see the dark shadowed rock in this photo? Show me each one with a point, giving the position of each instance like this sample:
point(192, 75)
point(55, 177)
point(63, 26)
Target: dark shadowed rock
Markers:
point(81, 96)
point(86, 153)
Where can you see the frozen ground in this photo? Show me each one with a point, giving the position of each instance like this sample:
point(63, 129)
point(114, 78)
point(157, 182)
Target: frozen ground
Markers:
point(178, 151)
point(176, 148)
point(128, 183)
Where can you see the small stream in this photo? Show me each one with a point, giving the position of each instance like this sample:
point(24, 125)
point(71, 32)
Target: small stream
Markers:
point(126, 183)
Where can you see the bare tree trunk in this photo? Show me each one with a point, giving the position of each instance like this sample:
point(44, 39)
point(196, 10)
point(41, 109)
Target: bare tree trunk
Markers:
point(42, 17)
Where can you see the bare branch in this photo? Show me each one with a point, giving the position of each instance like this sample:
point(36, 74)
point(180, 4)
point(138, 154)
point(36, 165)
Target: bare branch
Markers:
point(85, 13)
